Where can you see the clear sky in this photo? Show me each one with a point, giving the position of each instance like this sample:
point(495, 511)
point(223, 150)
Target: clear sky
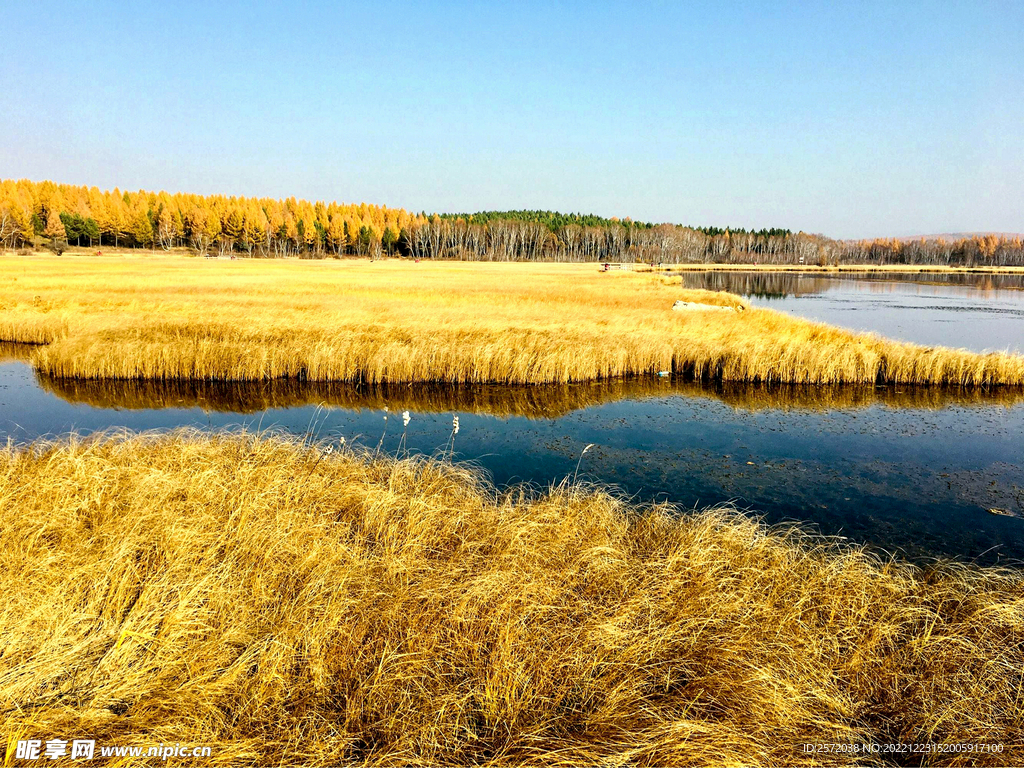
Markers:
point(850, 119)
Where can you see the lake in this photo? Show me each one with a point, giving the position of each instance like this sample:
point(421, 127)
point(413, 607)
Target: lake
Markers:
point(979, 312)
point(911, 471)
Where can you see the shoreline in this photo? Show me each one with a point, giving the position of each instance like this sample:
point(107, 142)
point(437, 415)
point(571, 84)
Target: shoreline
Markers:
point(75, 252)
point(894, 268)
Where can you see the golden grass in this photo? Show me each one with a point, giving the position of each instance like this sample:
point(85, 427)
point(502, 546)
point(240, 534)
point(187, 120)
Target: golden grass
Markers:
point(542, 401)
point(292, 608)
point(450, 322)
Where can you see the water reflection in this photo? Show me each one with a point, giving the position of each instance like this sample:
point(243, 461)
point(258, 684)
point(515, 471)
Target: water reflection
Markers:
point(533, 402)
point(778, 285)
point(11, 351)
point(980, 312)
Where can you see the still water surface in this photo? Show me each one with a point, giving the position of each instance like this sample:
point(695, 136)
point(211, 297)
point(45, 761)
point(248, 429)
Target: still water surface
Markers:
point(911, 471)
point(983, 313)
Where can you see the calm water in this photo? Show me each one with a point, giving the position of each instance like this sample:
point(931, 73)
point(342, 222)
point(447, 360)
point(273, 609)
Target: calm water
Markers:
point(977, 312)
point(912, 471)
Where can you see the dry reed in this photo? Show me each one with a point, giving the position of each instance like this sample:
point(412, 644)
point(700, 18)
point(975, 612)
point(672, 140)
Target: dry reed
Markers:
point(452, 323)
point(288, 607)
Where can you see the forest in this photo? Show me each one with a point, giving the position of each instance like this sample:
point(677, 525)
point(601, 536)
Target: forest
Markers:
point(61, 215)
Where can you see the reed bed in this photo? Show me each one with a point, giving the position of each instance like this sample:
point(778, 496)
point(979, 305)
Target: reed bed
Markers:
point(451, 323)
point(289, 606)
point(537, 401)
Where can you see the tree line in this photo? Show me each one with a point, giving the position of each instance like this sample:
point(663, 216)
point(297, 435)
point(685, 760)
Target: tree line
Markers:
point(62, 214)
point(518, 238)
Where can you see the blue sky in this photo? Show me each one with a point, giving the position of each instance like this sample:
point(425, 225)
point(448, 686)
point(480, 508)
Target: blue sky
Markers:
point(855, 119)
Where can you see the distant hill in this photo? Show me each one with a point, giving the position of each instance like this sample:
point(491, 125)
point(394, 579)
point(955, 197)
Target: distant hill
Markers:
point(961, 236)
point(554, 220)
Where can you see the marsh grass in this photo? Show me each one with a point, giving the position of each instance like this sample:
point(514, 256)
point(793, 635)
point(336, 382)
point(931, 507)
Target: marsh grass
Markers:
point(450, 322)
point(290, 606)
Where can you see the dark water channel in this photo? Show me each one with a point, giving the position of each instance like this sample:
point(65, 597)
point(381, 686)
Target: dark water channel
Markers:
point(911, 471)
point(983, 313)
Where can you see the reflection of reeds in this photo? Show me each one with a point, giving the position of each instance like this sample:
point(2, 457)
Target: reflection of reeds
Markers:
point(452, 323)
point(287, 606)
point(539, 401)
point(535, 401)
point(15, 351)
